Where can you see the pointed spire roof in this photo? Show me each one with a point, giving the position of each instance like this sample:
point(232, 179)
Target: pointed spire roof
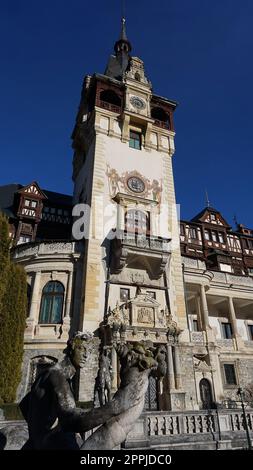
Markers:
point(122, 45)
point(119, 63)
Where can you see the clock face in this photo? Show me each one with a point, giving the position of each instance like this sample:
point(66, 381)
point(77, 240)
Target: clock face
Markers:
point(137, 102)
point(136, 184)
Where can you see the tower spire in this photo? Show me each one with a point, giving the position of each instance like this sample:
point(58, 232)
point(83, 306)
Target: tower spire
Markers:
point(119, 63)
point(207, 200)
point(123, 35)
point(122, 46)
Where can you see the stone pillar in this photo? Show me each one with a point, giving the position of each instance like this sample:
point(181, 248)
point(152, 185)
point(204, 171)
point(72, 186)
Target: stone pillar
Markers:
point(205, 319)
point(114, 370)
point(125, 130)
point(120, 217)
point(35, 304)
point(232, 316)
point(170, 368)
point(178, 375)
point(198, 310)
point(66, 319)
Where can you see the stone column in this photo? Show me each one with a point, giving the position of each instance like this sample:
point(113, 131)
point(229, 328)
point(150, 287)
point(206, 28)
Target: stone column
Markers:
point(35, 304)
point(198, 310)
point(120, 217)
point(114, 370)
point(178, 375)
point(66, 319)
point(232, 316)
point(170, 368)
point(205, 319)
point(125, 130)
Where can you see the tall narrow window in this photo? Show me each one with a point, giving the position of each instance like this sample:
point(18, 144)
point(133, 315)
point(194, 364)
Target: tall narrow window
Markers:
point(137, 221)
point(52, 303)
point(207, 234)
point(226, 330)
point(221, 237)
point(230, 377)
point(135, 140)
point(214, 236)
point(195, 326)
point(193, 233)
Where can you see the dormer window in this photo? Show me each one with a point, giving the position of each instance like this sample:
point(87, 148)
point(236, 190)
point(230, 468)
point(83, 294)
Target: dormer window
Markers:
point(135, 140)
point(213, 217)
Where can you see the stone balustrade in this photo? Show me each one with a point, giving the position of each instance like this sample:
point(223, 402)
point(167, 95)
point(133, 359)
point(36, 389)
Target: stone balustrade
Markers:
point(223, 428)
point(43, 248)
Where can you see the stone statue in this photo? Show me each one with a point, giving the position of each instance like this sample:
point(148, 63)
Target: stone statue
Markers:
point(50, 410)
point(104, 377)
point(137, 362)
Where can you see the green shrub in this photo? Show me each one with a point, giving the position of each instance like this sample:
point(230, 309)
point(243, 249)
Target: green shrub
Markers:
point(13, 300)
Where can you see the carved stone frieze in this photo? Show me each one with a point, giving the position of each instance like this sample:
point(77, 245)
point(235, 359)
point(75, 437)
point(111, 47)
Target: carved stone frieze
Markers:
point(145, 315)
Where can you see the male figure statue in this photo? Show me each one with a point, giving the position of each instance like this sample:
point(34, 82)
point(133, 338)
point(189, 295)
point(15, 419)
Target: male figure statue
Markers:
point(50, 409)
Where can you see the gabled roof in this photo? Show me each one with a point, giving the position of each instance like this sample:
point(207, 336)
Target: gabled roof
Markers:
point(204, 215)
point(33, 189)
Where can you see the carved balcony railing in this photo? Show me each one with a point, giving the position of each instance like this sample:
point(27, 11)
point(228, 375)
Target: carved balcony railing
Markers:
point(143, 241)
point(162, 124)
point(109, 106)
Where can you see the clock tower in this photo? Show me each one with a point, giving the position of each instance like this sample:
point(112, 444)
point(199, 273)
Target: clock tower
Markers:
point(123, 144)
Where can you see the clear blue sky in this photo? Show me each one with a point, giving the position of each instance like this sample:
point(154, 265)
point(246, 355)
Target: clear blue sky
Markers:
point(198, 52)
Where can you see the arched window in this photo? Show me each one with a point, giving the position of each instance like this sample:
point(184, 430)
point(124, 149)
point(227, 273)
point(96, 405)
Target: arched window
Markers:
point(137, 221)
point(161, 117)
point(52, 303)
point(206, 394)
point(109, 96)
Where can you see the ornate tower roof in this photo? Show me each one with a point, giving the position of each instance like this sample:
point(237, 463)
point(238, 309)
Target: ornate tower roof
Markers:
point(119, 62)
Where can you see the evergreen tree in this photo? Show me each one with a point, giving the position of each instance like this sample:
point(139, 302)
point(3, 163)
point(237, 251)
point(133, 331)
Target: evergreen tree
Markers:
point(12, 317)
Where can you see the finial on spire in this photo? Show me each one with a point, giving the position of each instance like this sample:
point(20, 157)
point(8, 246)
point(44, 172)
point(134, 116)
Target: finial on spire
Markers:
point(123, 35)
point(207, 200)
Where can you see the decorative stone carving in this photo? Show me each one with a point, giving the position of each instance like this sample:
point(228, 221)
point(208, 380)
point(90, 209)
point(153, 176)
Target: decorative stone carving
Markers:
point(173, 328)
point(137, 278)
point(145, 315)
point(136, 71)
